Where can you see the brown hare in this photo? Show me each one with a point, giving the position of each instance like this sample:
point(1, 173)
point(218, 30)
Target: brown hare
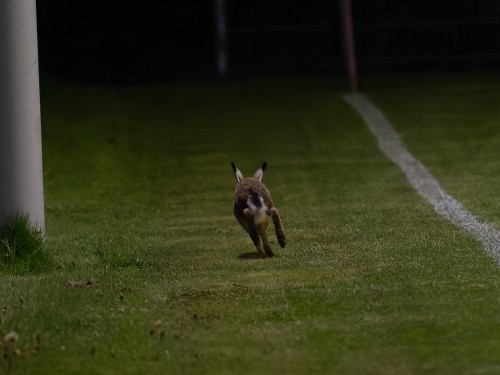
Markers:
point(253, 206)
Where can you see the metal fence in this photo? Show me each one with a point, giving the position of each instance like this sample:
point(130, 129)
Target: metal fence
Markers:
point(265, 34)
point(158, 39)
point(278, 34)
point(441, 32)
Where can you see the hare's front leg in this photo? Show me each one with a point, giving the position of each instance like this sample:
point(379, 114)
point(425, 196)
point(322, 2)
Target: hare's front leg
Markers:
point(252, 230)
point(261, 228)
point(278, 227)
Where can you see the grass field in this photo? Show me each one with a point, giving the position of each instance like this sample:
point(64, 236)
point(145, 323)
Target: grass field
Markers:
point(453, 128)
point(152, 274)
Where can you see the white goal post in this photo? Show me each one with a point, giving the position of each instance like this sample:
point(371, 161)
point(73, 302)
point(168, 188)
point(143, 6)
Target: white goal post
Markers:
point(21, 174)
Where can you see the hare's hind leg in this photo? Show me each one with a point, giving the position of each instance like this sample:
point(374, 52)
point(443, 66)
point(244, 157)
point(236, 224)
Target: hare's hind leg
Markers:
point(278, 227)
point(252, 231)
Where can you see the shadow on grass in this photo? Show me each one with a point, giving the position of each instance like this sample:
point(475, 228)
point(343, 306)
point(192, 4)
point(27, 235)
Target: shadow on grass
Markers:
point(252, 255)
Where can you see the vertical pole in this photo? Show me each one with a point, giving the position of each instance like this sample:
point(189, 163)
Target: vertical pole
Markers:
point(348, 44)
point(21, 175)
point(220, 37)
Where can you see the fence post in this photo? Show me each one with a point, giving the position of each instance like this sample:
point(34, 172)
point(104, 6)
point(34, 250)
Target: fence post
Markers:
point(348, 44)
point(220, 37)
point(21, 174)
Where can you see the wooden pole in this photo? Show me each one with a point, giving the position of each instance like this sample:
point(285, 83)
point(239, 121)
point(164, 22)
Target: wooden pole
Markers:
point(21, 175)
point(348, 45)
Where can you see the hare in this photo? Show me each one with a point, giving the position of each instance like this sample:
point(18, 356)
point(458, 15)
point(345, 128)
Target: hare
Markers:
point(253, 206)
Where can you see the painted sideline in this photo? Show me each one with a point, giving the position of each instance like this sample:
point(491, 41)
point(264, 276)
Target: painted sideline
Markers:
point(421, 179)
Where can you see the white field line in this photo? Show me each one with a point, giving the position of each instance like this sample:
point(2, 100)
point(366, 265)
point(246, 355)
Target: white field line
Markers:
point(421, 179)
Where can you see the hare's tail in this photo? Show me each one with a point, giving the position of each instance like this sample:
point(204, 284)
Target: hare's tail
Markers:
point(256, 206)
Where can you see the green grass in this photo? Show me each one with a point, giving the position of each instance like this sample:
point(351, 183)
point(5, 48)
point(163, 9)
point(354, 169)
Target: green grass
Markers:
point(452, 126)
point(152, 273)
point(22, 248)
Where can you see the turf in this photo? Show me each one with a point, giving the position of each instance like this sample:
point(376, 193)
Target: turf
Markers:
point(153, 274)
point(452, 126)
point(22, 248)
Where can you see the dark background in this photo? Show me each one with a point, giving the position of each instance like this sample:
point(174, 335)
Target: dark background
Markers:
point(124, 42)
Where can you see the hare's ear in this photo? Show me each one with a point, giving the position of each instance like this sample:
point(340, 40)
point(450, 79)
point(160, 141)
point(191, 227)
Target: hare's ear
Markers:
point(237, 172)
point(260, 172)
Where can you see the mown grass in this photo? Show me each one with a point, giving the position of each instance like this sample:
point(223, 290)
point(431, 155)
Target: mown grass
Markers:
point(153, 273)
point(452, 126)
